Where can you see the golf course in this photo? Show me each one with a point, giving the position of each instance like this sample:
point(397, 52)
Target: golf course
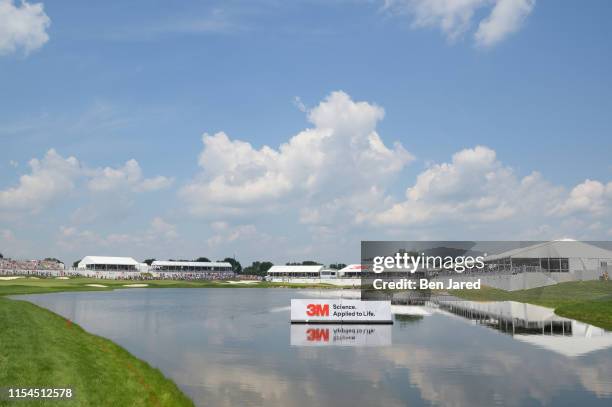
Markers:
point(41, 349)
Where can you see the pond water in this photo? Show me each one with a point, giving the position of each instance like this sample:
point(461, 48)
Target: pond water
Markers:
point(235, 347)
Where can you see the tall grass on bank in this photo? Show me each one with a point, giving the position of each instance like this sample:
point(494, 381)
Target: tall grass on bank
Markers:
point(43, 350)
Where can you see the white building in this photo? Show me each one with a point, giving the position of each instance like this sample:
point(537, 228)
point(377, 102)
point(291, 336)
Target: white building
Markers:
point(284, 273)
point(191, 266)
point(348, 277)
point(104, 263)
point(558, 256)
point(351, 271)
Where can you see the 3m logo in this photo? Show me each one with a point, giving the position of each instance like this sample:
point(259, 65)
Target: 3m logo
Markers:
point(317, 335)
point(317, 310)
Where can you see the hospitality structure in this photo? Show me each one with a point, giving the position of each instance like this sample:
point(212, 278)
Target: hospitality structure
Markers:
point(190, 266)
point(557, 256)
point(106, 263)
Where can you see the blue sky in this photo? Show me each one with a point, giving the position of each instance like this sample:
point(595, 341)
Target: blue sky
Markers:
point(111, 82)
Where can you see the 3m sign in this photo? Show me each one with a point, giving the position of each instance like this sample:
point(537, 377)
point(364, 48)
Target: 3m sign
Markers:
point(340, 311)
point(317, 310)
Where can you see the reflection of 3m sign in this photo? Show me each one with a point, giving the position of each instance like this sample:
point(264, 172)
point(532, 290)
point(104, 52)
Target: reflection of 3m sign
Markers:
point(317, 310)
point(317, 335)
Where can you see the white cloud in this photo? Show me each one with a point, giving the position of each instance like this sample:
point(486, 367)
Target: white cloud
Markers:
point(297, 102)
point(506, 18)
point(228, 234)
point(6, 235)
point(154, 184)
point(455, 17)
point(54, 178)
point(129, 177)
point(476, 193)
point(315, 195)
point(22, 26)
point(592, 197)
point(11, 246)
point(342, 154)
point(157, 235)
point(333, 179)
point(474, 187)
point(161, 228)
point(50, 178)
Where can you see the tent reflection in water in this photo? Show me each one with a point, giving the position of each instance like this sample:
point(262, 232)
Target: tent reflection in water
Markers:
point(532, 324)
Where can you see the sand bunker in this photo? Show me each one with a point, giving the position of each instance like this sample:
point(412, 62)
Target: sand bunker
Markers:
point(10, 278)
point(96, 285)
point(135, 285)
point(62, 278)
point(244, 282)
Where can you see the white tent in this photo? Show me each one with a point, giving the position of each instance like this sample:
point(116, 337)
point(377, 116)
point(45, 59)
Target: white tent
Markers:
point(351, 271)
point(295, 271)
point(191, 266)
point(555, 256)
point(556, 249)
point(108, 263)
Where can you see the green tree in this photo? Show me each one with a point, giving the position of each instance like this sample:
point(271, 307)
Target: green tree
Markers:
point(149, 261)
point(75, 264)
point(337, 266)
point(236, 266)
point(203, 260)
point(258, 268)
point(52, 259)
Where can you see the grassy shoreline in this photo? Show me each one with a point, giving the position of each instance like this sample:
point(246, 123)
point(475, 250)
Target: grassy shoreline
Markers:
point(42, 349)
point(586, 301)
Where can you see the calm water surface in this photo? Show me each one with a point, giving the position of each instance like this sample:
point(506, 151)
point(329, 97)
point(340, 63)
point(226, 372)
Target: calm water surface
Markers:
point(233, 347)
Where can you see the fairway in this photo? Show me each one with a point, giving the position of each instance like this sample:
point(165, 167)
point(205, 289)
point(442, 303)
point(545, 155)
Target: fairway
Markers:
point(50, 285)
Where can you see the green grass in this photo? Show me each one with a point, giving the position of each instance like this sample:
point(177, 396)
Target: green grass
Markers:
point(587, 301)
point(49, 285)
point(42, 349)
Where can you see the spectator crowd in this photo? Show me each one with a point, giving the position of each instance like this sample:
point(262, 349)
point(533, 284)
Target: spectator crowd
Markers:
point(41, 268)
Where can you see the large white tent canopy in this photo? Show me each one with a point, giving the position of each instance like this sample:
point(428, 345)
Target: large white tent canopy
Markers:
point(107, 263)
point(556, 249)
point(191, 264)
point(122, 261)
point(295, 269)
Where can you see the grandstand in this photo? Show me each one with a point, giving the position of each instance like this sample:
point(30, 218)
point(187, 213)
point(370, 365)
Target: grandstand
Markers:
point(10, 267)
